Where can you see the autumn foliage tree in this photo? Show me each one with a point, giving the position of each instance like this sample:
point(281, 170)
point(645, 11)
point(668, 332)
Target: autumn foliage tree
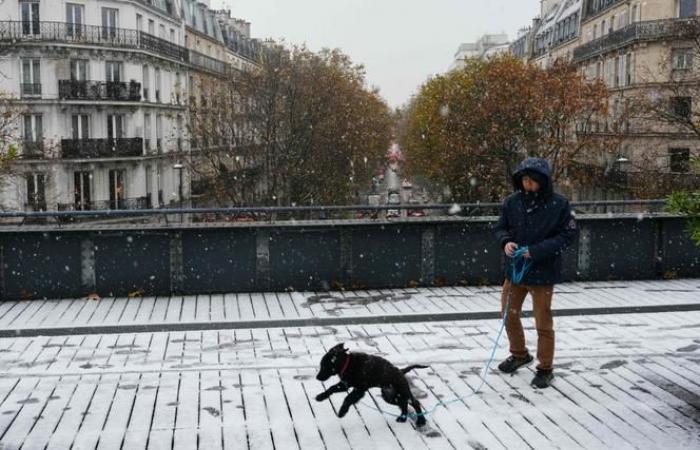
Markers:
point(301, 129)
point(467, 129)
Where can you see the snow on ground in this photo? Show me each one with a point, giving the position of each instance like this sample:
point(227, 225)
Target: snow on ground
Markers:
point(622, 380)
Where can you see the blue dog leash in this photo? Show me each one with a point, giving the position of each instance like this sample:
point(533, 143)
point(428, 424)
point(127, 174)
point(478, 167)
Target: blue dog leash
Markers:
point(516, 277)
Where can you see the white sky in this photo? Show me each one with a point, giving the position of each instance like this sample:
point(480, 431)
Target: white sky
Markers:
point(400, 42)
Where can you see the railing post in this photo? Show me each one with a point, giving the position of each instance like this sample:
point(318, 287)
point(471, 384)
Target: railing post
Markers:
point(262, 259)
point(87, 265)
point(427, 266)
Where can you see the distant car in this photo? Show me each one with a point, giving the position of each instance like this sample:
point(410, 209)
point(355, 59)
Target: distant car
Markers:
point(416, 213)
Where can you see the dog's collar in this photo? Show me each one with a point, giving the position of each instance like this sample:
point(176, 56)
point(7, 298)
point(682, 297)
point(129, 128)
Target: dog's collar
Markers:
point(345, 366)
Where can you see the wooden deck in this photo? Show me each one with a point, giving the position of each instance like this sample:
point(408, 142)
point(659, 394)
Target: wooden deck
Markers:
point(622, 380)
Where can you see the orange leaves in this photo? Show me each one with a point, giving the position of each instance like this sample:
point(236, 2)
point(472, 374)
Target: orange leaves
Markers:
point(484, 118)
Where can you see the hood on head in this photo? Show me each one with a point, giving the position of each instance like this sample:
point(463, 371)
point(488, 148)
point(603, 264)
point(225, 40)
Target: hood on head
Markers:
point(537, 165)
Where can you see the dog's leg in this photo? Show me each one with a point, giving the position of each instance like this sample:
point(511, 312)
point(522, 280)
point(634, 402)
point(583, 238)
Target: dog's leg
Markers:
point(420, 420)
point(402, 401)
point(352, 398)
point(340, 387)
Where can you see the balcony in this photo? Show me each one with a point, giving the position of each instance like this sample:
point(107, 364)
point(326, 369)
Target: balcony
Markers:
point(101, 148)
point(208, 63)
point(99, 90)
point(32, 150)
point(13, 32)
point(29, 90)
point(639, 32)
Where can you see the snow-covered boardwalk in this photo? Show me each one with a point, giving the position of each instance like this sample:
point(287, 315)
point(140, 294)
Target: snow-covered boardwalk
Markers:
point(624, 379)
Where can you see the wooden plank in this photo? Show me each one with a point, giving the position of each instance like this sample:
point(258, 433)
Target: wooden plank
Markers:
point(144, 313)
point(163, 424)
point(231, 307)
point(255, 411)
point(104, 306)
point(210, 410)
point(217, 308)
point(160, 309)
point(278, 411)
point(141, 413)
point(235, 433)
point(116, 310)
point(187, 412)
point(174, 309)
point(117, 419)
point(91, 428)
point(74, 414)
point(302, 415)
point(202, 312)
point(189, 309)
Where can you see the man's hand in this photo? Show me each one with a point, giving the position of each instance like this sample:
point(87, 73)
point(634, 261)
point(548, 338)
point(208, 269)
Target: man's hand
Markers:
point(510, 249)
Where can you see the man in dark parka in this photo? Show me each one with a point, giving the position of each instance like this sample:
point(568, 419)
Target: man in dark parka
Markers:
point(536, 217)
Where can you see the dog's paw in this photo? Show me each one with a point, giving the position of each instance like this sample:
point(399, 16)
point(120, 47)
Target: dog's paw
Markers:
point(342, 411)
point(401, 419)
point(420, 421)
point(321, 397)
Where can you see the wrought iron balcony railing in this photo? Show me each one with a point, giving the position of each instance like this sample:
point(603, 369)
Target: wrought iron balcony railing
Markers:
point(99, 90)
point(30, 89)
point(101, 148)
point(208, 63)
point(639, 32)
point(16, 31)
point(32, 150)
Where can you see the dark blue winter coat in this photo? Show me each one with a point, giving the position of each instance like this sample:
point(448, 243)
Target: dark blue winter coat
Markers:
point(541, 221)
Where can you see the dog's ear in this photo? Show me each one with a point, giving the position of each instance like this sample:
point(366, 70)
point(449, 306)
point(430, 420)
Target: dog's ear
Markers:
point(340, 348)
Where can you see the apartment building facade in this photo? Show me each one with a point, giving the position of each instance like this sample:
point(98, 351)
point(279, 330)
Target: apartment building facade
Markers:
point(104, 89)
point(639, 49)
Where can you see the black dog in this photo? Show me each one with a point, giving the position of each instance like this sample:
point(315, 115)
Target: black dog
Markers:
point(361, 372)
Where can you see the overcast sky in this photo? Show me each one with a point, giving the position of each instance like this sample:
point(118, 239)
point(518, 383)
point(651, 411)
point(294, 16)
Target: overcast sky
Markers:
point(400, 42)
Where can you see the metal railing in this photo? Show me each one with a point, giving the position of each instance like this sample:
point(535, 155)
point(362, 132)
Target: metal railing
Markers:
point(101, 148)
point(15, 31)
point(208, 63)
point(638, 32)
point(99, 90)
point(349, 212)
point(32, 150)
point(30, 89)
point(96, 206)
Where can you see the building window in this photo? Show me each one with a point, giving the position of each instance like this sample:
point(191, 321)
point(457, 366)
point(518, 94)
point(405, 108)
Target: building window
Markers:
point(602, 28)
point(178, 88)
point(110, 23)
point(82, 188)
point(151, 27)
point(113, 71)
point(117, 179)
point(618, 63)
point(29, 12)
point(139, 23)
point(79, 70)
point(682, 107)
point(146, 84)
point(629, 69)
point(161, 31)
point(33, 135)
point(36, 191)
point(147, 131)
point(80, 126)
point(157, 85)
point(172, 36)
point(635, 13)
point(75, 19)
point(31, 78)
point(687, 8)
point(159, 133)
point(682, 58)
point(679, 160)
point(115, 128)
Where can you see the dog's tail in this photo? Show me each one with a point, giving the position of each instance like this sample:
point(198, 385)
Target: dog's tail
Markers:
point(415, 366)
